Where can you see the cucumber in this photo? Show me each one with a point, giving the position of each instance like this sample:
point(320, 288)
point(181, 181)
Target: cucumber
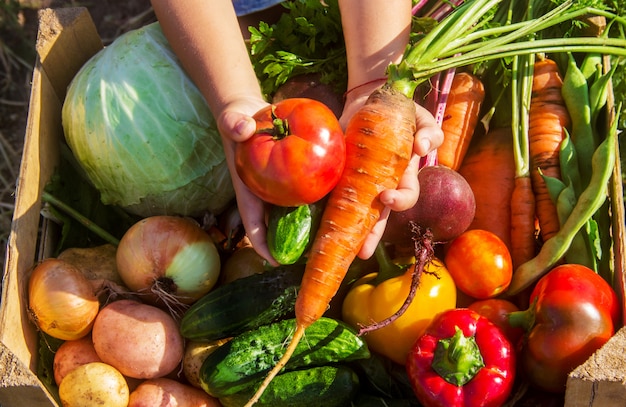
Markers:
point(322, 386)
point(248, 357)
point(290, 230)
point(243, 304)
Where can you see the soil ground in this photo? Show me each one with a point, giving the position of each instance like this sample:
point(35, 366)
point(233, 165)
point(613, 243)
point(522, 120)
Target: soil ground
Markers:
point(18, 32)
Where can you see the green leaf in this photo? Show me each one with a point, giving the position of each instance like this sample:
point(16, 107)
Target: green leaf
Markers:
point(308, 37)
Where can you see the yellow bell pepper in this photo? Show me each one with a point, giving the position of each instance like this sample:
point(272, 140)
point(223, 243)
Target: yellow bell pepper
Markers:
point(377, 296)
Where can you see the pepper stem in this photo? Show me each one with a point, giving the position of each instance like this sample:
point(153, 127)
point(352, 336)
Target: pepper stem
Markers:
point(457, 359)
point(386, 267)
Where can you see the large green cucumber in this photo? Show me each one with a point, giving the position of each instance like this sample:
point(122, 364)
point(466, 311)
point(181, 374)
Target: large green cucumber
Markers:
point(243, 304)
point(290, 230)
point(321, 386)
point(246, 358)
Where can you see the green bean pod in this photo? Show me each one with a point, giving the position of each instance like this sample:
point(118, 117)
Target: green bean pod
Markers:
point(565, 204)
point(575, 93)
point(598, 96)
point(568, 160)
point(591, 65)
point(580, 250)
point(603, 243)
point(602, 239)
point(588, 203)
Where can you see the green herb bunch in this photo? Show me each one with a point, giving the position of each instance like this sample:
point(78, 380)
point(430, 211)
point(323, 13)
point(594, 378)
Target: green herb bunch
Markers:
point(307, 38)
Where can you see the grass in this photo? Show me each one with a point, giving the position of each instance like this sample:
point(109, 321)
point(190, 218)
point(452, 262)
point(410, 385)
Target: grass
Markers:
point(17, 54)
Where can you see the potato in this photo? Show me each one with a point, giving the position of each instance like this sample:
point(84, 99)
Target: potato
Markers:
point(94, 384)
point(195, 354)
point(140, 340)
point(164, 392)
point(72, 354)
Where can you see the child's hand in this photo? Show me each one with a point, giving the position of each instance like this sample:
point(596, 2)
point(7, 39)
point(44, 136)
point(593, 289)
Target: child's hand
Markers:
point(236, 125)
point(427, 138)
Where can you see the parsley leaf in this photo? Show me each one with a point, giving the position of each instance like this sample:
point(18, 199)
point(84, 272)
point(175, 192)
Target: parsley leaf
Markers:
point(307, 38)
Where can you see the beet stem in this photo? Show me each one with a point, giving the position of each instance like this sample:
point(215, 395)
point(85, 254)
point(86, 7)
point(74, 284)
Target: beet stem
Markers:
point(423, 241)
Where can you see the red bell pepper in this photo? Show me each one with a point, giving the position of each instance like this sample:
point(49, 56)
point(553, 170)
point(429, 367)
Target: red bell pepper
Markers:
point(462, 359)
point(572, 313)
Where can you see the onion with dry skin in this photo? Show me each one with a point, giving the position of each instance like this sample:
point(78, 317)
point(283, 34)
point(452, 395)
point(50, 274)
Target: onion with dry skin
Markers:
point(61, 300)
point(170, 260)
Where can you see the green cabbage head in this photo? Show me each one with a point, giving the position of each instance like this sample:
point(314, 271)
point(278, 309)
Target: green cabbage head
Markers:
point(142, 131)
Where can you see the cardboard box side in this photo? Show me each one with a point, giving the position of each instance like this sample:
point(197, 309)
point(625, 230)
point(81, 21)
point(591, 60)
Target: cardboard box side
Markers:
point(601, 380)
point(67, 38)
point(20, 386)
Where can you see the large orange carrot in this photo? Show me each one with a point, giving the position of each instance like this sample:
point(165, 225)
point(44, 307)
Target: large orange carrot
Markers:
point(523, 242)
point(379, 143)
point(548, 118)
point(489, 169)
point(460, 118)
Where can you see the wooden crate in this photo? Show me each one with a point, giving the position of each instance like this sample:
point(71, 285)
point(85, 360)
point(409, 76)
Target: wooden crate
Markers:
point(67, 38)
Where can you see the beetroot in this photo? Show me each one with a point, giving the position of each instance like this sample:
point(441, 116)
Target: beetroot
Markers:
point(446, 207)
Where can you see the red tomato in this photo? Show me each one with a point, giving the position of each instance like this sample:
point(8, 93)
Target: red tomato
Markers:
point(297, 154)
point(573, 313)
point(497, 311)
point(480, 264)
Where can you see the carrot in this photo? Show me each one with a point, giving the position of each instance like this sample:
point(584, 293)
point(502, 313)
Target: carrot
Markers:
point(379, 143)
point(461, 115)
point(548, 117)
point(489, 169)
point(523, 244)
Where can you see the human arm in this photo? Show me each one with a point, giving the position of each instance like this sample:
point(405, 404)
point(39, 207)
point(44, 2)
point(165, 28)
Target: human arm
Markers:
point(376, 34)
point(209, 43)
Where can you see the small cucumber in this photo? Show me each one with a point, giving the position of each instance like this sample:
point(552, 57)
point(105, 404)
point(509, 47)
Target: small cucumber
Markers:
point(291, 229)
point(322, 386)
point(246, 358)
point(243, 304)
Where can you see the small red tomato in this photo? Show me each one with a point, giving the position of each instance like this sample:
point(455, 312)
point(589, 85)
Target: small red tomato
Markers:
point(296, 155)
point(480, 263)
point(497, 311)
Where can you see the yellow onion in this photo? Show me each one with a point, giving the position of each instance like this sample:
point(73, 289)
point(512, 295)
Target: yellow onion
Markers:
point(169, 260)
point(61, 300)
